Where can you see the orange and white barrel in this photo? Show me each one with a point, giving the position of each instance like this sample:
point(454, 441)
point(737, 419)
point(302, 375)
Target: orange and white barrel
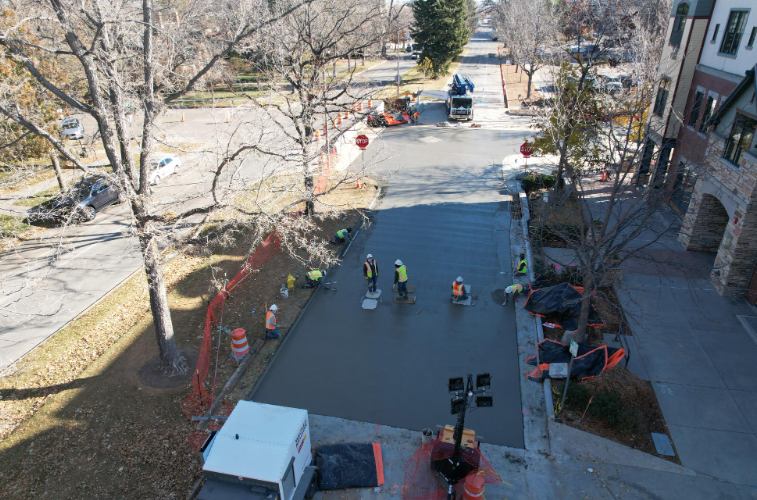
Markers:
point(239, 346)
point(474, 487)
point(370, 103)
point(360, 106)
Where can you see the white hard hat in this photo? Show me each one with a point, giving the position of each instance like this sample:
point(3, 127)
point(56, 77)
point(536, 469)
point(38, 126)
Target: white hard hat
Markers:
point(509, 289)
point(323, 272)
point(274, 308)
point(369, 256)
point(397, 262)
point(459, 279)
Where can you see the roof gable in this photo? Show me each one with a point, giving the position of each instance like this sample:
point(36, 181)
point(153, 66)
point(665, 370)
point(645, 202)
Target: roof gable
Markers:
point(748, 83)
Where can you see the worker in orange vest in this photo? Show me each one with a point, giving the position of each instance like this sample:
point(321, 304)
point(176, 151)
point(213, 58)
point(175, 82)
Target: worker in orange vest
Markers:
point(458, 290)
point(370, 271)
point(271, 328)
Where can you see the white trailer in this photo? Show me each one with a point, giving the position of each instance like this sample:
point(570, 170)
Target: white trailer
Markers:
point(262, 451)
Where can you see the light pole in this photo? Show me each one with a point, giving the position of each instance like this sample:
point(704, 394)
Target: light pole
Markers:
point(452, 469)
point(397, 51)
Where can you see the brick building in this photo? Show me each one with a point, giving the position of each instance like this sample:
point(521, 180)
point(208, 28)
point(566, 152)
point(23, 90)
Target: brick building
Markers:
point(701, 149)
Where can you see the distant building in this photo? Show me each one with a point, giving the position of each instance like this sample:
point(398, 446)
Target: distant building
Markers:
point(701, 149)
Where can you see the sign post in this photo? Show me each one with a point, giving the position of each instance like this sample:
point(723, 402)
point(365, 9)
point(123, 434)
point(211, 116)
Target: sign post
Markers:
point(362, 142)
point(526, 149)
point(573, 353)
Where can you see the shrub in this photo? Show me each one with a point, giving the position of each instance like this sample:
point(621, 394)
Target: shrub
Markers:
point(578, 396)
point(532, 182)
point(607, 407)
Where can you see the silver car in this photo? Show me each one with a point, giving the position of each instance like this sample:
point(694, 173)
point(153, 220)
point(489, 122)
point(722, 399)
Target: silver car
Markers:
point(71, 128)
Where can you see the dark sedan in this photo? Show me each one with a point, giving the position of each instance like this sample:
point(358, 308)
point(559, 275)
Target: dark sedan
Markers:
point(82, 202)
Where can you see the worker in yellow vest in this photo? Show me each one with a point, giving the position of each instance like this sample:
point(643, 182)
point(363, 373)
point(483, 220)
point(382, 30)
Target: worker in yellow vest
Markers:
point(313, 278)
point(271, 328)
point(371, 271)
point(515, 289)
point(522, 267)
point(458, 290)
point(400, 278)
point(342, 235)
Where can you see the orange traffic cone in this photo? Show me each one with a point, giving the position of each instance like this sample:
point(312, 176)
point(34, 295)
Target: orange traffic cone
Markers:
point(604, 175)
point(317, 135)
point(360, 106)
point(339, 118)
point(370, 103)
point(357, 185)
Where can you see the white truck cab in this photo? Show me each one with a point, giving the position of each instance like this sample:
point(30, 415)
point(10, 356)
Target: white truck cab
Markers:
point(261, 452)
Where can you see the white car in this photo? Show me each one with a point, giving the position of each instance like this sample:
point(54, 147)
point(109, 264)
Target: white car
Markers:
point(613, 84)
point(71, 128)
point(162, 167)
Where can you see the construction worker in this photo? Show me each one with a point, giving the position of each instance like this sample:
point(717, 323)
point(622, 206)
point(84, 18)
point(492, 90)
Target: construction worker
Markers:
point(515, 289)
point(370, 271)
point(271, 328)
point(522, 268)
point(458, 290)
point(416, 117)
point(400, 278)
point(342, 234)
point(313, 278)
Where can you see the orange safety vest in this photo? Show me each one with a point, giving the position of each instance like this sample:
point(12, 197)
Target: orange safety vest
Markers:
point(457, 288)
point(270, 321)
point(368, 272)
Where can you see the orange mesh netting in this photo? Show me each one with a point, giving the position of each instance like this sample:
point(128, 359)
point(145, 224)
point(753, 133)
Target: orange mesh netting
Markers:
point(198, 402)
point(424, 482)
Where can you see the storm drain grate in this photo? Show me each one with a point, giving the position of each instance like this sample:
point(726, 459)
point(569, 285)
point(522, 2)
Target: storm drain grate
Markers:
point(515, 209)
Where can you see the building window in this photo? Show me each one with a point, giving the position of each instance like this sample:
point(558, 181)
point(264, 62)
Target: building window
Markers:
point(708, 109)
point(662, 97)
point(715, 33)
point(751, 37)
point(679, 24)
point(696, 108)
point(683, 188)
point(734, 30)
point(740, 138)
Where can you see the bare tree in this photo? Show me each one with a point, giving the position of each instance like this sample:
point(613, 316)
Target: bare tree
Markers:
point(139, 54)
point(528, 28)
point(596, 131)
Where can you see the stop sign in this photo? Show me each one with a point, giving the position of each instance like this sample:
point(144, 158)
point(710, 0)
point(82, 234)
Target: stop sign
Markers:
point(361, 141)
point(526, 150)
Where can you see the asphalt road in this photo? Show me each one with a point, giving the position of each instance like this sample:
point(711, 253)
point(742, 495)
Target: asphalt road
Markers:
point(49, 281)
point(444, 216)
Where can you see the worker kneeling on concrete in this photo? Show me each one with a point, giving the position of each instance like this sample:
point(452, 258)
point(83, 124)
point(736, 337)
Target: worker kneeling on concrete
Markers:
point(271, 327)
point(458, 290)
point(313, 278)
point(515, 289)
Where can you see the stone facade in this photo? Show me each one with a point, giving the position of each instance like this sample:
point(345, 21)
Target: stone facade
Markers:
point(722, 216)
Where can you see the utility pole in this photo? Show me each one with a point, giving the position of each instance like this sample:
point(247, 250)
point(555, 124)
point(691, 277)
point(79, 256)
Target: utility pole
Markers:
point(397, 50)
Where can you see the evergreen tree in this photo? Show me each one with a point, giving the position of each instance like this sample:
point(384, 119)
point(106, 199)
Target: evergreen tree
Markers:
point(440, 31)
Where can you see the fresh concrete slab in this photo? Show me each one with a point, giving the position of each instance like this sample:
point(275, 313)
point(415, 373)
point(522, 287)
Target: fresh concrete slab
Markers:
point(444, 216)
point(729, 456)
point(696, 406)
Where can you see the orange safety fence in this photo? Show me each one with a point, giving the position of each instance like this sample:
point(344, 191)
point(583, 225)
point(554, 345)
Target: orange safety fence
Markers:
point(326, 163)
point(199, 399)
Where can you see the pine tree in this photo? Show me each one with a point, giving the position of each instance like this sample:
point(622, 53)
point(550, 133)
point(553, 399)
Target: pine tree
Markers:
point(440, 31)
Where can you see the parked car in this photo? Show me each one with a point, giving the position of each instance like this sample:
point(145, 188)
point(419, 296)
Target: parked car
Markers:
point(416, 54)
point(409, 48)
point(71, 128)
point(81, 202)
point(162, 167)
point(612, 84)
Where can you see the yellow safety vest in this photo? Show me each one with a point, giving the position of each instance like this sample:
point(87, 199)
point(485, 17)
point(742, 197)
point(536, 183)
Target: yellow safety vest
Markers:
point(315, 275)
point(524, 269)
point(402, 273)
point(517, 288)
point(369, 270)
point(341, 233)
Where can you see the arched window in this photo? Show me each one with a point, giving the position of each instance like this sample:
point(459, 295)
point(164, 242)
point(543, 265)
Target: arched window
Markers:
point(679, 24)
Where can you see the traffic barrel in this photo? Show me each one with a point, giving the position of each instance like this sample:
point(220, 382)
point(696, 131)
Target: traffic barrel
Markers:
point(370, 103)
point(474, 487)
point(317, 135)
point(339, 118)
point(239, 346)
point(360, 106)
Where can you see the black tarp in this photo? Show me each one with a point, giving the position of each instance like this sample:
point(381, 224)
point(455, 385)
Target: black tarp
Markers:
point(349, 465)
point(560, 304)
point(590, 361)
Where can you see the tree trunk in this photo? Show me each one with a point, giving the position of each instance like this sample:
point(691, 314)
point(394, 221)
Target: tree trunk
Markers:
point(171, 360)
point(58, 172)
point(585, 308)
point(528, 90)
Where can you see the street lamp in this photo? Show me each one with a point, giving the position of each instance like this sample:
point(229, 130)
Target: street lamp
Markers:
point(463, 398)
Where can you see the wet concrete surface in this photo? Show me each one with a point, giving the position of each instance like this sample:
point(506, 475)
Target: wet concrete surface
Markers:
point(444, 216)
